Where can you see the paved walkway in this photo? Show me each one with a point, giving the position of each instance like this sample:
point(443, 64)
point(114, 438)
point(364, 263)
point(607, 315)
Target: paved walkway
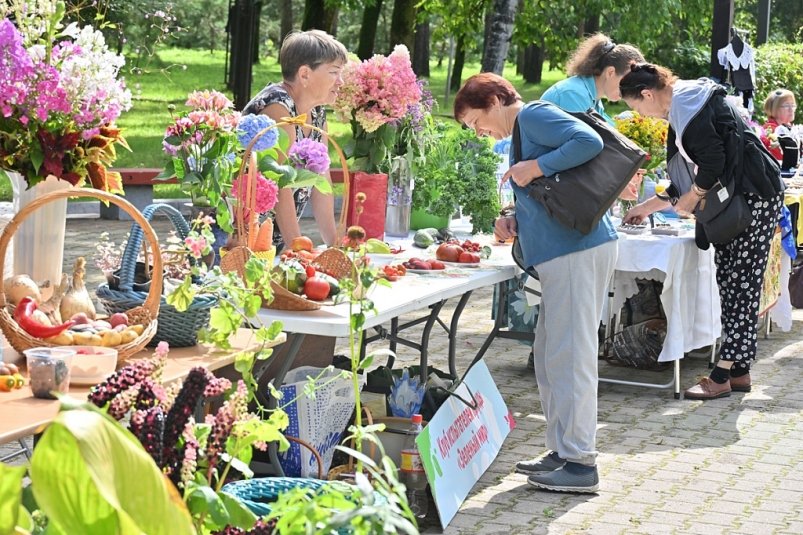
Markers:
point(731, 466)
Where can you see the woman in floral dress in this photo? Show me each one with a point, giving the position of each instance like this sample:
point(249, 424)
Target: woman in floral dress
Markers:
point(311, 63)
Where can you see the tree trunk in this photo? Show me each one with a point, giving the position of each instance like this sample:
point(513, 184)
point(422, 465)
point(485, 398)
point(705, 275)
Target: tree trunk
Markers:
point(330, 19)
point(520, 48)
point(313, 16)
point(498, 36)
point(486, 32)
point(257, 18)
point(421, 50)
point(591, 25)
point(459, 62)
point(370, 21)
point(286, 21)
point(533, 64)
point(402, 23)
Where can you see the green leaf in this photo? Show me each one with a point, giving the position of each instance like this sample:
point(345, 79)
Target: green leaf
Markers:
point(10, 496)
point(168, 172)
point(92, 476)
point(204, 501)
point(224, 319)
point(252, 305)
point(243, 362)
point(37, 156)
point(181, 298)
point(367, 361)
point(305, 178)
point(239, 515)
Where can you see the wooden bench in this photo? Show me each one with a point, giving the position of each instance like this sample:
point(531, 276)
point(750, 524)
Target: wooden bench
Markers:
point(138, 185)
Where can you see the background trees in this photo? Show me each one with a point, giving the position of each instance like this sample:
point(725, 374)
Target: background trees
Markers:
point(532, 34)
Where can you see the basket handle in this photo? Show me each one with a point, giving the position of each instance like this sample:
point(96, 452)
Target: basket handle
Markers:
point(154, 293)
point(301, 120)
point(128, 263)
point(312, 449)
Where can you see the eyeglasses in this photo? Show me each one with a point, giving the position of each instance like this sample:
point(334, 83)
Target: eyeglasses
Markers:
point(788, 107)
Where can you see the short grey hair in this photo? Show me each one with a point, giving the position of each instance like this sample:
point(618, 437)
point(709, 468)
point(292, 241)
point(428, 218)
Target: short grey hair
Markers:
point(311, 48)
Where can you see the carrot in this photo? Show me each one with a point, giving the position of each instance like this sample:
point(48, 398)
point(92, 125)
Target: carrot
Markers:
point(264, 237)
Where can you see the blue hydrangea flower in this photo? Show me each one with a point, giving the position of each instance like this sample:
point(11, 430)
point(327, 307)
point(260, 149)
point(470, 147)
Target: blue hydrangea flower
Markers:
point(251, 125)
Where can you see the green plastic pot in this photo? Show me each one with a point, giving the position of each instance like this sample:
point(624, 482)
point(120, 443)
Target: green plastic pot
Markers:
point(422, 219)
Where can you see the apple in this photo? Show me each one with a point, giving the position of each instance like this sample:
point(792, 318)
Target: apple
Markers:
point(80, 318)
point(301, 243)
point(119, 318)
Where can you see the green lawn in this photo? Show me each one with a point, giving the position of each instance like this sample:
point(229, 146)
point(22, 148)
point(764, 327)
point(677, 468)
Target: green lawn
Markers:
point(176, 72)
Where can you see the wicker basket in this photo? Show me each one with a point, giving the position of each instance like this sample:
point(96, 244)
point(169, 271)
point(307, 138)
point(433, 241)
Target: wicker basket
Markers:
point(236, 258)
point(179, 329)
point(143, 312)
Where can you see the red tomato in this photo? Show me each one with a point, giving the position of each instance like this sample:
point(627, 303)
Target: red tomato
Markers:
point(466, 258)
point(448, 252)
point(437, 264)
point(310, 271)
point(316, 289)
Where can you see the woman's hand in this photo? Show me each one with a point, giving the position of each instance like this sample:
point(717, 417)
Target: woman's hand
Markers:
point(637, 214)
point(523, 172)
point(505, 228)
point(687, 203)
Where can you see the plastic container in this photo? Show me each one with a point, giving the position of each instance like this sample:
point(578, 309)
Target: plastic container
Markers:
point(92, 364)
point(411, 470)
point(49, 370)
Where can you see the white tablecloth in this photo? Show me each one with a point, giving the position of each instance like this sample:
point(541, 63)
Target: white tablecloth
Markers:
point(690, 296)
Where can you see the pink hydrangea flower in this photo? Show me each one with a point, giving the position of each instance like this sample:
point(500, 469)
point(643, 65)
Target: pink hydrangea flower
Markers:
point(267, 192)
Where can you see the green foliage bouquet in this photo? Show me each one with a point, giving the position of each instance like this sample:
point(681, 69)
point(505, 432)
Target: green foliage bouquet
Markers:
point(460, 170)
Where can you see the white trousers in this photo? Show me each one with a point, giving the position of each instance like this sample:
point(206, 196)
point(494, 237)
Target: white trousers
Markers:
point(574, 288)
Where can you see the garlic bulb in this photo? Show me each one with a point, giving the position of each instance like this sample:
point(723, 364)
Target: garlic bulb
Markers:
point(77, 299)
point(20, 286)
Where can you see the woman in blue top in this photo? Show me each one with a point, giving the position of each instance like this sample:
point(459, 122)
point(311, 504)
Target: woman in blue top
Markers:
point(595, 69)
point(574, 270)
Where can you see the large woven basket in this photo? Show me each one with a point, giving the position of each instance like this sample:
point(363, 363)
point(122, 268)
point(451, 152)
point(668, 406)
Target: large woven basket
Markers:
point(179, 329)
point(144, 311)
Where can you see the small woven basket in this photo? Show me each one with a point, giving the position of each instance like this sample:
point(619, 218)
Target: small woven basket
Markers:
point(143, 312)
point(179, 329)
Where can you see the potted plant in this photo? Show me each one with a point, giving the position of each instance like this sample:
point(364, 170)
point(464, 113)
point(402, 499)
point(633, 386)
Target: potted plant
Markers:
point(459, 171)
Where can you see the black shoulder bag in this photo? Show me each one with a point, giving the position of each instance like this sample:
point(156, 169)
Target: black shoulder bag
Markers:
point(580, 196)
point(724, 212)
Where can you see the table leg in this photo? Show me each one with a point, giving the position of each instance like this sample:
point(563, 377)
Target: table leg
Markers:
point(433, 316)
point(453, 332)
point(394, 332)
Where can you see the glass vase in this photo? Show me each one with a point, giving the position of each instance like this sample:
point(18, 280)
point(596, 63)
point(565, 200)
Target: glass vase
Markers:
point(39, 241)
point(400, 197)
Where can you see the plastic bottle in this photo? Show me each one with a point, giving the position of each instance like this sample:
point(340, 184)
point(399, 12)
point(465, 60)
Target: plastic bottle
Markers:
point(502, 148)
point(412, 471)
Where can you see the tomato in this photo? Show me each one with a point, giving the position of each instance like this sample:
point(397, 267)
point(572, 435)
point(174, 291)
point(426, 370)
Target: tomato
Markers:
point(437, 264)
point(316, 289)
point(448, 252)
point(465, 258)
point(7, 382)
point(310, 271)
point(301, 243)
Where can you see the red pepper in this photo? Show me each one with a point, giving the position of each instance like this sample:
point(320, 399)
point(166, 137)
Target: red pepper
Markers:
point(22, 314)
